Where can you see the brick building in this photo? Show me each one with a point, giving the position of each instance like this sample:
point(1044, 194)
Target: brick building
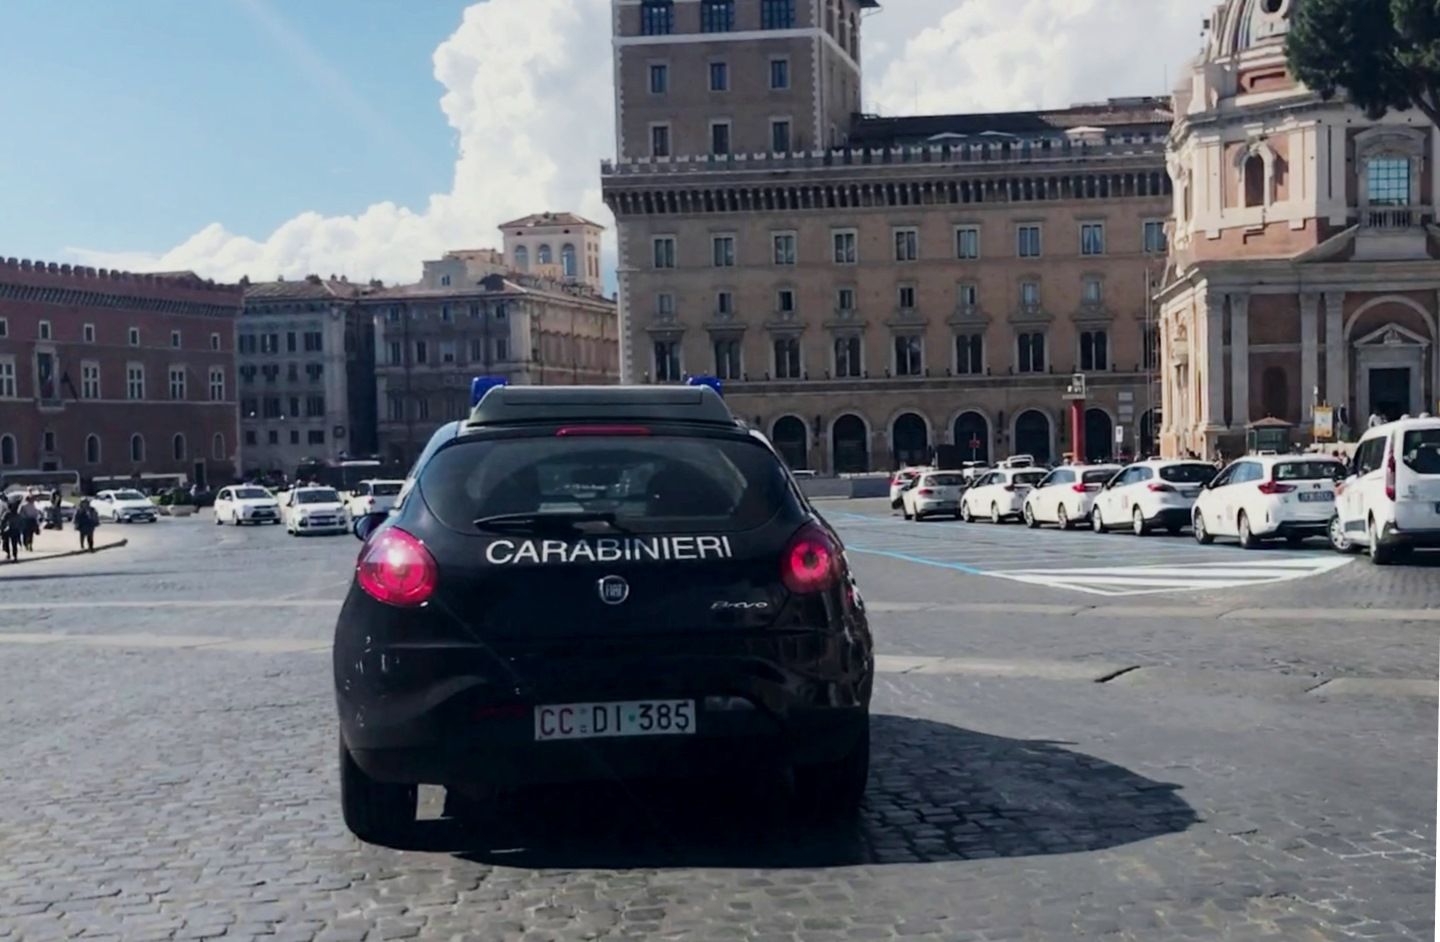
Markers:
point(871, 287)
point(108, 373)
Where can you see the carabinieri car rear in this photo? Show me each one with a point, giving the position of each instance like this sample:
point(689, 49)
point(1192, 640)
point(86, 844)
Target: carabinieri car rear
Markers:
point(586, 583)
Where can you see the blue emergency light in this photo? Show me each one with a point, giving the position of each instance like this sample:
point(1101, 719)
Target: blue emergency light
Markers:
point(712, 381)
point(480, 385)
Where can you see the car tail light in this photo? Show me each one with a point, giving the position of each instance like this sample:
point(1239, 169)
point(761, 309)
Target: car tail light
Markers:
point(925, 492)
point(1162, 488)
point(577, 431)
point(397, 569)
point(1079, 488)
point(811, 561)
point(1009, 488)
point(1390, 477)
point(1271, 488)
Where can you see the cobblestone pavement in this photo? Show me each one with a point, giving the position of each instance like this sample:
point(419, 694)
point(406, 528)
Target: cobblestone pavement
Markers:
point(165, 785)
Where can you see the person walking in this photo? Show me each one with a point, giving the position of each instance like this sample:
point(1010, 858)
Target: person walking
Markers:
point(9, 531)
point(55, 513)
point(86, 521)
point(30, 514)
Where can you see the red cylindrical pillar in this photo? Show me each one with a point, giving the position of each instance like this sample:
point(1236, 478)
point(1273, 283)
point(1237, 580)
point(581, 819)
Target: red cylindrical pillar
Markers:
point(1077, 429)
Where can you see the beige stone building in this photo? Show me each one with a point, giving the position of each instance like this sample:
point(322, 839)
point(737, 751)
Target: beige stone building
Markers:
point(559, 246)
point(871, 287)
point(1303, 262)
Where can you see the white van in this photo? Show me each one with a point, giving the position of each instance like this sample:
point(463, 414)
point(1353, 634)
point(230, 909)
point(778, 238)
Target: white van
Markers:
point(1390, 501)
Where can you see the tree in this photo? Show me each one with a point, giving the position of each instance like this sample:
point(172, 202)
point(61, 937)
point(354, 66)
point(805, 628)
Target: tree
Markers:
point(1381, 54)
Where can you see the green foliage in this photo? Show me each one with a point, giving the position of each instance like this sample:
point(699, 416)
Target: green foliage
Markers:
point(1382, 54)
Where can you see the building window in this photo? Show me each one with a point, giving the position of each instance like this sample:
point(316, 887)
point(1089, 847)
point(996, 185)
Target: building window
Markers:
point(722, 251)
point(134, 381)
point(92, 449)
point(217, 446)
point(1094, 350)
point(294, 412)
point(543, 255)
point(844, 300)
point(779, 74)
point(1092, 291)
point(847, 357)
point(907, 245)
point(45, 330)
point(273, 437)
point(1388, 181)
point(967, 242)
point(1154, 237)
point(717, 16)
point(394, 407)
point(292, 372)
point(969, 354)
point(784, 243)
point(137, 448)
point(422, 408)
point(724, 304)
point(659, 78)
point(248, 407)
point(844, 243)
point(314, 371)
point(474, 310)
point(1030, 295)
point(522, 261)
point(667, 361)
point(290, 345)
point(447, 351)
point(727, 359)
point(477, 350)
point(568, 268)
point(719, 76)
point(316, 436)
point(967, 296)
point(177, 447)
point(664, 306)
point(8, 451)
point(315, 340)
point(908, 356)
point(659, 147)
point(250, 437)
point(720, 138)
point(175, 339)
point(47, 442)
point(1150, 350)
point(89, 380)
point(780, 136)
point(5, 329)
point(422, 352)
point(787, 358)
point(271, 372)
point(777, 14)
point(664, 251)
point(133, 335)
point(785, 302)
point(502, 349)
point(1031, 350)
point(1254, 179)
point(217, 384)
point(272, 407)
point(1027, 241)
point(905, 297)
point(269, 343)
point(1092, 238)
point(657, 17)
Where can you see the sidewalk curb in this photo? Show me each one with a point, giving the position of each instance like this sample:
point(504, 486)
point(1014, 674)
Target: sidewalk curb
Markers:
point(99, 548)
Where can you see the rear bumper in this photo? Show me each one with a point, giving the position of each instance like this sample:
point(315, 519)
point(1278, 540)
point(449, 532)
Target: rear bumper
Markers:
point(1393, 536)
point(1169, 518)
point(937, 506)
point(1300, 528)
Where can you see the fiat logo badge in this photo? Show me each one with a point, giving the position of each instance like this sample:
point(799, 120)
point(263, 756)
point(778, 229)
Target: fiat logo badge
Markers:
point(613, 590)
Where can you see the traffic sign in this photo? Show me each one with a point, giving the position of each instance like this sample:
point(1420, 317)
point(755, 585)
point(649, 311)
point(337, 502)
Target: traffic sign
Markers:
point(1076, 389)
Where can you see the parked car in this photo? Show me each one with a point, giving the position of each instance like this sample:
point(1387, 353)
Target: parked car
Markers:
point(373, 497)
point(1064, 496)
point(900, 481)
point(999, 494)
point(246, 503)
point(125, 505)
point(1262, 497)
point(1149, 495)
point(934, 492)
point(1390, 501)
point(314, 510)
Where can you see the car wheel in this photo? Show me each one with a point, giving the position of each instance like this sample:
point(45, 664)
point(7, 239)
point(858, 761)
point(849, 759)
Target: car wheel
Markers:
point(1030, 520)
point(1138, 524)
point(376, 812)
point(1247, 536)
point(1380, 554)
point(1062, 517)
point(832, 791)
point(235, 517)
point(1096, 522)
point(965, 513)
point(219, 520)
point(1339, 542)
point(1202, 535)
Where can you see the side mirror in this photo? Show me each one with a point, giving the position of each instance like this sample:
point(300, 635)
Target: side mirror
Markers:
point(366, 525)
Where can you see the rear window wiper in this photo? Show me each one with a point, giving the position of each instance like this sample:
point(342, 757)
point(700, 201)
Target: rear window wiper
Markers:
point(538, 520)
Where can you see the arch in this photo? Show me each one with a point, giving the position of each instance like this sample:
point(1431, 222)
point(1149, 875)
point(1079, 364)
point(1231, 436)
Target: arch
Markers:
point(1034, 435)
point(850, 444)
point(1275, 392)
point(1099, 436)
point(522, 258)
point(137, 448)
point(971, 426)
point(217, 446)
point(792, 439)
point(1252, 176)
point(1145, 443)
point(177, 447)
point(567, 260)
point(544, 255)
point(1411, 303)
point(92, 449)
point(8, 452)
point(909, 439)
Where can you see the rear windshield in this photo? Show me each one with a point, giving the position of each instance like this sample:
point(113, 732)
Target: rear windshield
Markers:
point(1420, 450)
point(1309, 471)
point(944, 480)
point(251, 493)
point(1187, 473)
point(1098, 477)
point(129, 495)
point(651, 484)
point(386, 490)
point(1030, 478)
point(320, 495)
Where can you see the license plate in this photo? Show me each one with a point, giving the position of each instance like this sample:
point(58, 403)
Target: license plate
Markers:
point(1189, 492)
point(623, 718)
point(1316, 496)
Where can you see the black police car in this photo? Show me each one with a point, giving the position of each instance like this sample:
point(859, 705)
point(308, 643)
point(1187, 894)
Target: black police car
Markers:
point(589, 583)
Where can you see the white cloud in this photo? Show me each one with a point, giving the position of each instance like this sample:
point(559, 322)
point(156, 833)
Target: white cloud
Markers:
point(528, 92)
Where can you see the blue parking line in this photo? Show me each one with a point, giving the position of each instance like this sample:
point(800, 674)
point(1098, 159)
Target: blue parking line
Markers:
point(906, 557)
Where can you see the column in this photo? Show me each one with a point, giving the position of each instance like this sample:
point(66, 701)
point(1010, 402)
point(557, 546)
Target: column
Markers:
point(1309, 355)
point(1213, 405)
point(1336, 392)
point(1239, 361)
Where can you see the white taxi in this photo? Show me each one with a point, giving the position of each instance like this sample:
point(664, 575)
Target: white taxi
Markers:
point(125, 505)
point(373, 497)
point(1390, 502)
point(1264, 497)
point(246, 503)
point(934, 492)
point(315, 510)
point(999, 495)
point(1064, 496)
point(1150, 494)
point(903, 479)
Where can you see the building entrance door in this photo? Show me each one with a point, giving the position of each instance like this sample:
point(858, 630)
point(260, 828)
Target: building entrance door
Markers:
point(1390, 392)
point(200, 477)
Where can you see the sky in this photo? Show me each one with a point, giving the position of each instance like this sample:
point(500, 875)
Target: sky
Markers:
point(359, 137)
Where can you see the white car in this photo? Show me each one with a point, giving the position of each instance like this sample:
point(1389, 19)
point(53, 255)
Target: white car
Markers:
point(900, 481)
point(1390, 502)
point(1064, 496)
point(125, 506)
point(1263, 497)
point(1150, 494)
point(246, 503)
point(373, 497)
point(934, 492)
point(314, 510)
point(1000, 494)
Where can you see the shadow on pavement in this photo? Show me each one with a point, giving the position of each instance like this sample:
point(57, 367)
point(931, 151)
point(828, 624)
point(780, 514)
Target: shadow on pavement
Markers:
point(21, 576)
point(937, 793)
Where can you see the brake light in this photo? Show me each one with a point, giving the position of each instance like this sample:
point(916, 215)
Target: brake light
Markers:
point(925, 492)
point(1390, 476)
point(1272, 488)
point(811, 561)
point(1079, 488)
point(1161, 488)
point(397, 569)
point(581, 431)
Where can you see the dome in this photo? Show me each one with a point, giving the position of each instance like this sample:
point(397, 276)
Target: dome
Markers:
point(1245, 24)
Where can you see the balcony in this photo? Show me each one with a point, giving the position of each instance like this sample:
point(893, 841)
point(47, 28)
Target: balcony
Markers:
point(1392, 233)
point(1390, 217)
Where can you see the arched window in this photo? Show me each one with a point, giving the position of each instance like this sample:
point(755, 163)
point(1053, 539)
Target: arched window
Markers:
point(92, 449)
point(790, 440)
point(217, 446)
point(544, 255)
point(1275, 392)
point(910, 440)
point(1254, 174)
point(177, 447)
point(567, 260)
point(1099, 436)
point(1032, 435)
point(137, 448)
point(849, 442)
point(7, 450)
point(972, 436)
point(522, 258)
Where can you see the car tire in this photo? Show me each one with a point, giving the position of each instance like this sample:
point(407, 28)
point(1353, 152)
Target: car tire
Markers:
point(376, 812)
point(1202, 535)
point(995, 514)
point(1097, 523)
point(1062, 517)
point(965, 513)
point(235, 517)
point(904, 513)
point(219, 520)
point(831, 792)
point(1380, 554)
point(1138, 524)
point(1248, 539)
point(1339, 542)
point(1030, 520)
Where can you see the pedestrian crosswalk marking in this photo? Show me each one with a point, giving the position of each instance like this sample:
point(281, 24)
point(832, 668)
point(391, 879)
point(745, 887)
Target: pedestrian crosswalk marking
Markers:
point(1149, 580)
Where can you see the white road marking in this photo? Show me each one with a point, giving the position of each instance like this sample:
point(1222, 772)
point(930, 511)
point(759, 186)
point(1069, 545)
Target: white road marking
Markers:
point(1147, 580)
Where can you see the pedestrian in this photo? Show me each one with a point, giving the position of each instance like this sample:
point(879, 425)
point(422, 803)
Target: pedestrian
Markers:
point(56, 515)
point(86, 520)
point(9, 531)
point(30, 522)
